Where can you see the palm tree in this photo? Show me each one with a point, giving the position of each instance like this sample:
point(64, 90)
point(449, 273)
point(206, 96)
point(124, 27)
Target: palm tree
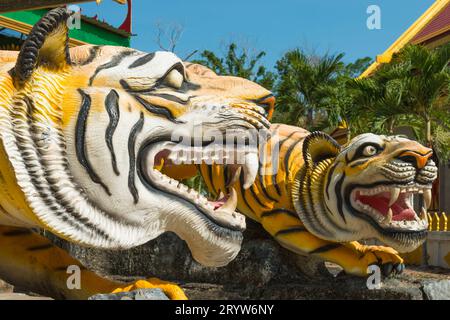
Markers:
point(237, 62)
point(377, 103)
point(304, 81)
point(424, 77)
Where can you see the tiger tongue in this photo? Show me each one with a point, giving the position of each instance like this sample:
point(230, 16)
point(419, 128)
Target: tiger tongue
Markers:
point(220, 201)
point(380, 203)
point(400, 211)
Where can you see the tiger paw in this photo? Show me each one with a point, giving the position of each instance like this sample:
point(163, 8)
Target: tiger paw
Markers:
point(139, 294)
point(386, 258)
point(171, 290)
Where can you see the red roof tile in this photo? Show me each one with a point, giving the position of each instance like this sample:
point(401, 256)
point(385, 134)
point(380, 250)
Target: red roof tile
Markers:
point(439, 24)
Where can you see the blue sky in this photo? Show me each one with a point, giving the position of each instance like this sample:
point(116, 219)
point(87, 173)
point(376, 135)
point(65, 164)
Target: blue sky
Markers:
point(273, 26)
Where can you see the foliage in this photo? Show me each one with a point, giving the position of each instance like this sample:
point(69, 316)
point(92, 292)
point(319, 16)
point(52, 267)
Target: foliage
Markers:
point(237, 62)
point(417, 94)
point(322, 92)
point(304, 82)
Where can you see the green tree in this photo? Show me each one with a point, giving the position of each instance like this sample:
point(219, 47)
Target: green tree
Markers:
point(354, 69)
point(312, 90)
point(304, 81)
point(343, 103)
point(425, 77)
point(412, 90)
point(237, 62)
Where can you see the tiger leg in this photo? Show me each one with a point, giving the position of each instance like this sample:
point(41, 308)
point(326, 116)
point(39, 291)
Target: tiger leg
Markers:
point(353, 257)
point(31, 261)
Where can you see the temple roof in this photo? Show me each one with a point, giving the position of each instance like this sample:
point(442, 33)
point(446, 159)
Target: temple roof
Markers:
point(433, 25)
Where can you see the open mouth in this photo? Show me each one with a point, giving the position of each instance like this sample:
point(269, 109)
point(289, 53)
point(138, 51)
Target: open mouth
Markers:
point(392, 206)
point(220, 211)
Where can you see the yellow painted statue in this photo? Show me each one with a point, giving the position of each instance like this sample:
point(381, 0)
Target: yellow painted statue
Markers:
point(318, 198)
point(80, 131)
point(87, 140)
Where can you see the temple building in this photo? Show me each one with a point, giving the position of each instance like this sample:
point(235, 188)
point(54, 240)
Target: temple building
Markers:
point(431, 29)
point(15, 24)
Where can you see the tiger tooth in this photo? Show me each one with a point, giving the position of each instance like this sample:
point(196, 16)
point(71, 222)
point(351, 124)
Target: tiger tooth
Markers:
point(395, 192)
point(221, 195)
point(427, 198)
point(230, 205)
point(388, 217)
point(250, 169)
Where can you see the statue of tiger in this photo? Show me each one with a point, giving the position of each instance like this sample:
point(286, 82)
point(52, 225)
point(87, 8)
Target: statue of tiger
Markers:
point(80, 132)
point(318, 198)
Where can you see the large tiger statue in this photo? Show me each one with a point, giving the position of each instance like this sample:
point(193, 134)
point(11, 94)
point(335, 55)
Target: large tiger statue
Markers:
point(318, 198)
point(80, 133)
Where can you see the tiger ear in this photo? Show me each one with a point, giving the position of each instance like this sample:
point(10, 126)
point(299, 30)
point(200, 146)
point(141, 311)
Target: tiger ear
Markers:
point(319, 146)
point(47, 44)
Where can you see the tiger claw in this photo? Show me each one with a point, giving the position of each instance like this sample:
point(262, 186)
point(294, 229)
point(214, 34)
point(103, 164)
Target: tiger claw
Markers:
point(399, 268)
point(387, 269)
point(171, 290)
point(387, 259)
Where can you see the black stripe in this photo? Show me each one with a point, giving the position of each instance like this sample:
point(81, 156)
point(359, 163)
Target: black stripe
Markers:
point(275, 184)
point(177, 66)
point(226, 176)
point(259, 100)
point(287, 138)
point(279, 211)
point(275, 164)
point(93, 51)
point(262, 182)
point(330, 175)
point(358, 163)
point(325, 248)
point(41, 247)
point(290, 230)
point(337, 190)
point(263, 189)
point(301, 190)
point(159, 110)
point(142, 60)
point(287, 156)
point(132, 156)
point(17, 233)
point(252, 191)
point(115, 61)
point(80, 139)
point(112, 107)
point(241, 188)
point(47, 191)
point(169, 97)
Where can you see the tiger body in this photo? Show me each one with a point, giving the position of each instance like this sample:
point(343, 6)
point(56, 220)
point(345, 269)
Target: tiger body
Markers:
point(282, 200)
point(80, 130)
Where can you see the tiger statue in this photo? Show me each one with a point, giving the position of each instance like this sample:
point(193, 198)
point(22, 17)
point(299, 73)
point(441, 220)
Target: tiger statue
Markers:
point(81, 130)
point(317, 198)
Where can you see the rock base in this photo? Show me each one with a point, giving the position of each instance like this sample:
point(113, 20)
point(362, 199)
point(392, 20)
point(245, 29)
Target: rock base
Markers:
point(262, 270)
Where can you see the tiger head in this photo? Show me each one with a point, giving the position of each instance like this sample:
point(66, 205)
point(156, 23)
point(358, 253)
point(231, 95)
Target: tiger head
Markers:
point(365, 189)
point(86, 128)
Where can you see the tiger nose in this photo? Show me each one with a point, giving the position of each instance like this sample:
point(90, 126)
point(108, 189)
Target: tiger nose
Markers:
point(417, 158)
point(268, 103)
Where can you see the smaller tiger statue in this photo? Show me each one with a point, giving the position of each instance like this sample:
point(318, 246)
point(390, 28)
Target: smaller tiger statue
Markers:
point(318, 198)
